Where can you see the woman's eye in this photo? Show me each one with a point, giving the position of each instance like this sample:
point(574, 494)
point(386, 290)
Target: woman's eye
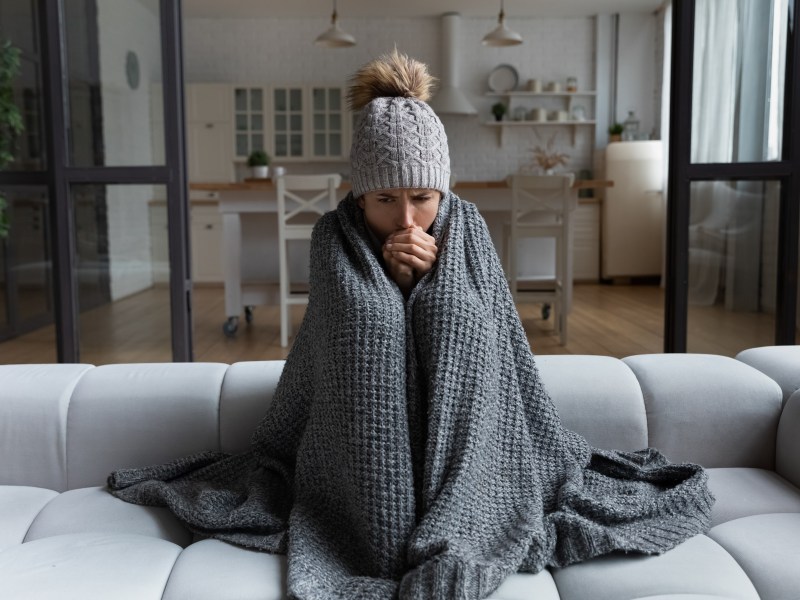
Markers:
point(385, 199)
point(422, 198)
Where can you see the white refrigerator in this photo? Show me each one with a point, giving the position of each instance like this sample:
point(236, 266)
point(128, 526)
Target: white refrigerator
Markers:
point(633, 215)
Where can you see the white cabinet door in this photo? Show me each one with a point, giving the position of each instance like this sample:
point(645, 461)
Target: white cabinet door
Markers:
point(209, 132)
point(208, 154)
point(206, 231)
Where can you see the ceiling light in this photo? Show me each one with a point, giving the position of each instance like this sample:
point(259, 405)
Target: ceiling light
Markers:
point(502, 35)
point(334, 36)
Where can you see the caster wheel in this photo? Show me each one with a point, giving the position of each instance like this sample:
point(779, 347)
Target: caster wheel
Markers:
point(248, 314)
point(545, 312)
point(230, 326)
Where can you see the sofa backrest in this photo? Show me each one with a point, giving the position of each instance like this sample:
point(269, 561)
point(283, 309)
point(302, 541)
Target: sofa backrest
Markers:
point(709, 409)
point(67, 426)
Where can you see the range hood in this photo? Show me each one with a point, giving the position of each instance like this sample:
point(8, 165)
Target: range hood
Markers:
point(449, 99)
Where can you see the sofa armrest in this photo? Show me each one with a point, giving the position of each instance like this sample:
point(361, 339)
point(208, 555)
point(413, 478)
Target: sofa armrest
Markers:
point(778, 362)
point(787, 458)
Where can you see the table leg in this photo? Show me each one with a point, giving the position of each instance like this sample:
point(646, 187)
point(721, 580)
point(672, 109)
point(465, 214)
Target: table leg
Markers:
point(232, 263)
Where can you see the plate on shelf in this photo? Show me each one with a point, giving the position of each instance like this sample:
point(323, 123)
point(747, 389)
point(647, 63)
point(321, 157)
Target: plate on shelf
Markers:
point(503, 78)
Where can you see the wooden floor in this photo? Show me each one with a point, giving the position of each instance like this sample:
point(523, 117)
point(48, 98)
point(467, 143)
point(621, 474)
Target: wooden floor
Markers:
point(611, 320)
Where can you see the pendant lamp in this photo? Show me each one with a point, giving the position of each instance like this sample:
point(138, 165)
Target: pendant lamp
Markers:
point(334, 36)
point(502, 35)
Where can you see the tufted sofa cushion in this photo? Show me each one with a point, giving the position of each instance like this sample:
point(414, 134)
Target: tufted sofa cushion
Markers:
point(64, 427)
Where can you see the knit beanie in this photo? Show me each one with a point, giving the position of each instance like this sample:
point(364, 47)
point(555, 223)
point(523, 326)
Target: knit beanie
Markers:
point(398, 141)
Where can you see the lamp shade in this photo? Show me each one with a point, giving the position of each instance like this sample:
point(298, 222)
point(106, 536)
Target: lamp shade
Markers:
point(502, 35)
point(335, 36)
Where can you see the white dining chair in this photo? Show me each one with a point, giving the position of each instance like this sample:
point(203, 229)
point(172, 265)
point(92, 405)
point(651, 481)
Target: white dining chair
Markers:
point(542, 207)
point(302, 199)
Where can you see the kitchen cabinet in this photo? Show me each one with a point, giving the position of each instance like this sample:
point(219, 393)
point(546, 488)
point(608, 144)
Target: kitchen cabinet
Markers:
point(576, 110)
point(205, 229)
point(225, 123)
point(206, 232)
point(327, 123)
point(249, 120)
point(309, 123)
point(288, 123)
point(209, 132)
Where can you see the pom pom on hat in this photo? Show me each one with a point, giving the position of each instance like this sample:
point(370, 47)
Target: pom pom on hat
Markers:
point(398, 141)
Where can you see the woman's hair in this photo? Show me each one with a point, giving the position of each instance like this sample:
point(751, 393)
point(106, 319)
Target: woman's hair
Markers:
point(398, 141)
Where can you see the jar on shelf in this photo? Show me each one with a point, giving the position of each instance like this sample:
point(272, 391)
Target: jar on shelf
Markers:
point(630, 128)
point(572, 84)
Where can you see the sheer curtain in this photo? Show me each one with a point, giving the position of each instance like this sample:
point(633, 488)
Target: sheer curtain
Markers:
point(732, 121)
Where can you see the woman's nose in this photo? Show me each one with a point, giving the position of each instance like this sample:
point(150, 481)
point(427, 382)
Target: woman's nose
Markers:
point(405, 218)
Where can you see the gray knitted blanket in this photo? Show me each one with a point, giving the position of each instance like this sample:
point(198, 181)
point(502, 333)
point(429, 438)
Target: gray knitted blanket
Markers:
point(411, 449)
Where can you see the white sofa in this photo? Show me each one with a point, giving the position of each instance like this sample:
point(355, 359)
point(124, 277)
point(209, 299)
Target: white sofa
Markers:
point(63, 428)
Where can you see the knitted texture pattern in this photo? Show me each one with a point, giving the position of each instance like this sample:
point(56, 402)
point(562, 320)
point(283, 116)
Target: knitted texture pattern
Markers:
point(399, 143)
point(411, 450)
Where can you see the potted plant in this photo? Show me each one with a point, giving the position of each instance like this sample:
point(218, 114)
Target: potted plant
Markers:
point(259, 162)
point(10, 119)
point(498, 110)
point(615, 132)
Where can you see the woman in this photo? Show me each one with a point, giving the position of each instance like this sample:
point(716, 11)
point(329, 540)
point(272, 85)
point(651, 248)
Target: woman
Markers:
point(411, 448)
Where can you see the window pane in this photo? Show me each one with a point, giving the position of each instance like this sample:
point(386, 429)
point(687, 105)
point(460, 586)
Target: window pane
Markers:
point(281, 148)
point(256, 99)
point(241, 145)
point(335, 99)
point(115, 83)
point(296, 122)
point(319, 122)
point(27, 334)
point(280, 122)
point(335, 122)
point(241, 122)
point(19, 26)
point(257, 141)
point(296, 102)
point(297, 145)
point(738, 87)
point(319, 144)
point(122, 266)
point(280, 100)
point(336, 144)
point(241, 99)
point(256, 122)
point(319, 99)
point(733, 250)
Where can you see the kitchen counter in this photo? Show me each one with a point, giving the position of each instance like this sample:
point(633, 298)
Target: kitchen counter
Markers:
point(240, 216)
point(266, 184)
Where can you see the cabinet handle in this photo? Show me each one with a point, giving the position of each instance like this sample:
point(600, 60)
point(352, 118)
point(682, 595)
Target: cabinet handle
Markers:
point(209, 226)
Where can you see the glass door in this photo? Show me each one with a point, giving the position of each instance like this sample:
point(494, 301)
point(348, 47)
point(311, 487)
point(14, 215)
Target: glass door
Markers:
point(734, 177)
point(102, 145)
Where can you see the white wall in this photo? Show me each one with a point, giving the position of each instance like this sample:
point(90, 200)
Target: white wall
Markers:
point(281, 51)
point(637, 73)
point(128, 26)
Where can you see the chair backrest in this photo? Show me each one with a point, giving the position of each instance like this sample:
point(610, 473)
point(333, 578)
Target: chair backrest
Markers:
point(534, 194)
point(296, 196)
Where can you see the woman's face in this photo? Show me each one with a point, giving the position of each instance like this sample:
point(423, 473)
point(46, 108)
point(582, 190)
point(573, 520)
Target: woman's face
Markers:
point(388, 211)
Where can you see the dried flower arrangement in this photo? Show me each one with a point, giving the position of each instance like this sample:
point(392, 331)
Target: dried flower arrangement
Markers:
point(548, 158)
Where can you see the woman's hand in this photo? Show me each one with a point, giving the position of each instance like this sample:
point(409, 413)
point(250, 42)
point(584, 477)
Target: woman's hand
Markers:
point(409, 254)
